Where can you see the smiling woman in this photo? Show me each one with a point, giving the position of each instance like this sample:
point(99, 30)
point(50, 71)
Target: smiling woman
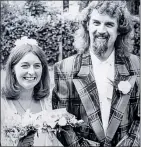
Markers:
point(25, 94)
point(25, 61)
point(28, 71)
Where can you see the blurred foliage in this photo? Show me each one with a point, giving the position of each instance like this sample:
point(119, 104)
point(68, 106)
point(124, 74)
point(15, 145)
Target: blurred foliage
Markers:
point(68, 31)
point(49, 37)
point(36, 8)
point(133, 6)
point(46, 26)
point(48, 30)
point(12, 29)
point(136, 50)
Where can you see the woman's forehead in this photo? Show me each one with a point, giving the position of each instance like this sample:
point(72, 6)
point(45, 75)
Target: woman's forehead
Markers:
point(30, 57)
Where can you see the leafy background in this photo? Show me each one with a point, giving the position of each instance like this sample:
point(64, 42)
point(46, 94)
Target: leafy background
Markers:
point(43, 23)
point(54, 33)
point(47, 22)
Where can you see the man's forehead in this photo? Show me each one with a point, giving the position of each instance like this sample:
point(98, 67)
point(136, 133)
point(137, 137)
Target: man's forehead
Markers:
point(96, 15)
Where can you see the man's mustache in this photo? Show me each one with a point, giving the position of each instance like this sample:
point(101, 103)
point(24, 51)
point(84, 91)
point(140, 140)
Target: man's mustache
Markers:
point(101, 35)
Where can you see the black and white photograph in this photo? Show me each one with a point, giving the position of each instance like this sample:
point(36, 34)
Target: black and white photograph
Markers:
point(70, 73)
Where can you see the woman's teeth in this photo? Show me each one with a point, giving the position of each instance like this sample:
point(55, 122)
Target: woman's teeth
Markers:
point(29, 78)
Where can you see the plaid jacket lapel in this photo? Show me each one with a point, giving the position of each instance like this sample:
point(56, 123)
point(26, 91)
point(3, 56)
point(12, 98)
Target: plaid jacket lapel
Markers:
point(87, 90)
point(119, 100)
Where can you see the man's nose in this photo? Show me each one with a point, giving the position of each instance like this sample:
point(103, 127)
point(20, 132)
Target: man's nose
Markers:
point(31, 70)
point(102, 29)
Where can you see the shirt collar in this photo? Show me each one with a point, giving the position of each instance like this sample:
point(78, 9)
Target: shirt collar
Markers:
point(96, 61)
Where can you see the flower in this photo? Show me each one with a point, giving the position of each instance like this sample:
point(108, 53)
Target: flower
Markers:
point(62, 121)
point(124, 86)
point(25, 40)
point(45, 121)
point(22, 132)
point(74, 121)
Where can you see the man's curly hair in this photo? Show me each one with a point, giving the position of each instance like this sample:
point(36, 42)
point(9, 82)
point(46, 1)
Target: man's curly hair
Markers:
point(115, 9)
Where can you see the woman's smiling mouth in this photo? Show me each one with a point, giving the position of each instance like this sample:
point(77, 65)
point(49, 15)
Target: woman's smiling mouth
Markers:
point(29, 78)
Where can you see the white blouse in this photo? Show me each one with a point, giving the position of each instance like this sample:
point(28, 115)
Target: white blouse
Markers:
point(43, 139)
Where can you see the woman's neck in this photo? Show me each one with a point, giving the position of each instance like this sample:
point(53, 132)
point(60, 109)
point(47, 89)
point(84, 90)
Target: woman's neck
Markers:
point(26, 94)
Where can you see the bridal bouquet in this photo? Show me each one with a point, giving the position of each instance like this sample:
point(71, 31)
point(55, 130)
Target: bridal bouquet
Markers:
point(19, 126)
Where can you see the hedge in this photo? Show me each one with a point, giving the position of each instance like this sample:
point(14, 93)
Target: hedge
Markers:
point(50, 35)
point(12, 29)
point(136, 50)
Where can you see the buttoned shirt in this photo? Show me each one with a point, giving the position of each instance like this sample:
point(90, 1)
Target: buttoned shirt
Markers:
point(103, 73)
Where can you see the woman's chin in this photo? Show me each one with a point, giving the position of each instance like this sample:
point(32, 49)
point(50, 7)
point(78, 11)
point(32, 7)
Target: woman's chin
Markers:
point(28, 87)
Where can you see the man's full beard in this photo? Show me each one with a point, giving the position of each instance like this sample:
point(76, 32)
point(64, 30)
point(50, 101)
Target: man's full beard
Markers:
point(100, 46)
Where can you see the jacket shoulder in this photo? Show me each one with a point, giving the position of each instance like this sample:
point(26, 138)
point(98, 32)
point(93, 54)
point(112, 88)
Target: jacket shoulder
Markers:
point(69, 64)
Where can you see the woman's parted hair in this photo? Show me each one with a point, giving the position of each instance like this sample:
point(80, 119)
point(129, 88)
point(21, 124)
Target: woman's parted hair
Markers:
point(115, 9)
point(11, 89)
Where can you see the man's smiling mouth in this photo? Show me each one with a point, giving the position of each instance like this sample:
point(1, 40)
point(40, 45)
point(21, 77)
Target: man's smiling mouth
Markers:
point(101, 37)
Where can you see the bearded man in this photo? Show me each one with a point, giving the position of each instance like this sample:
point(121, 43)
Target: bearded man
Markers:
point(100, 84)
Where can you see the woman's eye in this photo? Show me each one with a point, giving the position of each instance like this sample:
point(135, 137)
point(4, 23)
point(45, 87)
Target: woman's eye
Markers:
point(37, 66)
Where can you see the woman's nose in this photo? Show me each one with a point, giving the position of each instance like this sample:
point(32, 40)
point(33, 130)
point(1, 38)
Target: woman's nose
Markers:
point(31, 70)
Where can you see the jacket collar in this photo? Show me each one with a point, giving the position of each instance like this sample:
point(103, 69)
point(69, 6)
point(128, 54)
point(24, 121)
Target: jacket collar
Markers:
point(85, 82)
point(121, 65)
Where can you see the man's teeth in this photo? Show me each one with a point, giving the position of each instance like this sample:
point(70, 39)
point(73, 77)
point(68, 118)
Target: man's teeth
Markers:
point(29, 78)
point(101, 37)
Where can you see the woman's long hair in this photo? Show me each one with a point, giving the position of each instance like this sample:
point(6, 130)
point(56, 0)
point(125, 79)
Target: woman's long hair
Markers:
point(115, 9)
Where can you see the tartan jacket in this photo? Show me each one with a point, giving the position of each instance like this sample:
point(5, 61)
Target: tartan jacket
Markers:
point(75, 82)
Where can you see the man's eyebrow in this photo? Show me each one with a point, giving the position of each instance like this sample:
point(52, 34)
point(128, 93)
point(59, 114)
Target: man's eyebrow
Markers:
point(95, 20)
point(111, 22)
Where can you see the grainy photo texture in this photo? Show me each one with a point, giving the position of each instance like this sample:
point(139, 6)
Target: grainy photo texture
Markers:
point(70, 73)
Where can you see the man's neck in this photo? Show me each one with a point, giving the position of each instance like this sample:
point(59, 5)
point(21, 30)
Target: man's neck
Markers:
point(104, 56)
